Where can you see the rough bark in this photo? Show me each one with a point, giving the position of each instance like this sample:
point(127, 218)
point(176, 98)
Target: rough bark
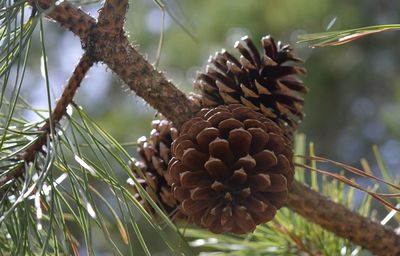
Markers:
point(68, 16)
point(338, 219)
point(112, 15)
point(140, 76)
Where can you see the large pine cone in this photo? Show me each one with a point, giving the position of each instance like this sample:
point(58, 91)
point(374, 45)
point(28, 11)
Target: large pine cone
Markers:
point(262, 83)
point(231, 169)
point(155, 154)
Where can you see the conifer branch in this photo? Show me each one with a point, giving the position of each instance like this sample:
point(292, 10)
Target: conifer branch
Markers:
point(148, 83)
point(115, 50)
point(68, 16)
point(112, 15)
point(152, 86)
point(371, 235)
point(60, 109)
point(141, 77)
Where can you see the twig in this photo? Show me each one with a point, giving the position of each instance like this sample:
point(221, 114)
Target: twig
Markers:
point(68, 16)
point(116, 51)
point(154, 88)
point(74, 82)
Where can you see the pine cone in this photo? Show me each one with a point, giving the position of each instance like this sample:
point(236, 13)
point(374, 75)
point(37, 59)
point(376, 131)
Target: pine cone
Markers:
point(156, 153)
point(262, 83)
point(231, 169)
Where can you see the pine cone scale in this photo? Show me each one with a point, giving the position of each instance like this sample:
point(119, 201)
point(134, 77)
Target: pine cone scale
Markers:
point(193, 179)
point(217, 169)
point(193, 207)
point(194, 158)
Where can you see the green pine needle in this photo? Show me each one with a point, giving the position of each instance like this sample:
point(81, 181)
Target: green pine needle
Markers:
point(333, 38)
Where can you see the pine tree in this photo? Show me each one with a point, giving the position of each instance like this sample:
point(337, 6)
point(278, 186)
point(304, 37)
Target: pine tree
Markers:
point(49, 205)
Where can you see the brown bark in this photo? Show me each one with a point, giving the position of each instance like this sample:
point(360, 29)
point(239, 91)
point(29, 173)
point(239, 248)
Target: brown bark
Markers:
point(113, 48)
point(68, 16)
point(112, 15)
point(338, 219)
point(143, 79)
point(148, 83)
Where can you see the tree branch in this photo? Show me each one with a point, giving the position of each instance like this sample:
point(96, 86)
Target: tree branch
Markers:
point(115, 50)
point(143, 79)
point(151, 85)
point(336, 218)
point(148, 83)
point(85, 63)
point(68, 94)
point(138, 74)
point(112, 15)
point(68, 16)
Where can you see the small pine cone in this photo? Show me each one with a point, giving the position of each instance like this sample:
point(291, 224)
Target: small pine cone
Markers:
point(156, 153)
point(231, 169)
point(262, 83)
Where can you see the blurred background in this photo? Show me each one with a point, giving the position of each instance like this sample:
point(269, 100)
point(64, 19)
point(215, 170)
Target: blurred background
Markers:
point(354, 98)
